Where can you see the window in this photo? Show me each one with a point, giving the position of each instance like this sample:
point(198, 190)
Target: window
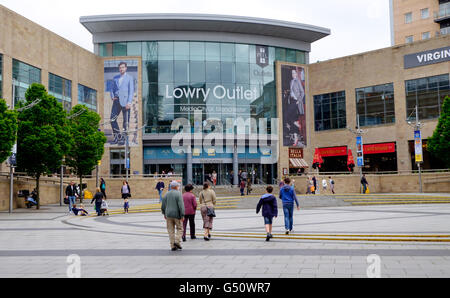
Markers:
point(87, 97)
point(408, 18)
point(426, 35)
point(117, 162)
point(409, 39)
point(120, 49)
point(105, 49)
point(428, 94)
point(61, 89)
point(329, 111)
point(23, 76)
point(424, 13)
point(375, 104)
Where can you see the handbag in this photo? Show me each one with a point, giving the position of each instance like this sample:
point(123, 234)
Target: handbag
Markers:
point(66, 201)
point(210, 212)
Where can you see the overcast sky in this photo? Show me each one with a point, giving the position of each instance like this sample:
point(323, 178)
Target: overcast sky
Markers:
point(356, 25)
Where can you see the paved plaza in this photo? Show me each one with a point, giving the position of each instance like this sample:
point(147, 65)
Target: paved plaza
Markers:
point(340, 241)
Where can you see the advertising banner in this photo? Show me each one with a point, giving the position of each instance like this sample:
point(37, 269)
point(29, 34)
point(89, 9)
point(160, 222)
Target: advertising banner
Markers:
point(359, 151)
point(293, 104)
point(418, 146)
point(121, 101)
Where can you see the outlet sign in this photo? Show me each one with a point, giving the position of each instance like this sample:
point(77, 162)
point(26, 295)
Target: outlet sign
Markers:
point(427, 57)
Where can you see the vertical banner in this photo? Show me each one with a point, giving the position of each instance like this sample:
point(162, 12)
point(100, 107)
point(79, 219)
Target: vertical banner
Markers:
point(359, 151)
point(121, 101)
point(293, 104)
point(418, 146)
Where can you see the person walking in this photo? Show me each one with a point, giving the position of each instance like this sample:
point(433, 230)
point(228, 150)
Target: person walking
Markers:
point(190, 207)
point(331, 184)
point(242, 187)
point(71, 194)
point(126, 206)
point(268, 203)
point(314, 184)
point(98, 198)
point(308, 186)
point(125, 190)
point(364, 183)
point(249, 186)
point(288, 197)
point(172, 208)
point(214, 178)
point(207, 203)
point(103, 187)
point(324, 185)
point(160, 187)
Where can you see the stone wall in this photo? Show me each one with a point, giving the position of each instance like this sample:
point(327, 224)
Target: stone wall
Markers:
point(144, 188)
point(141, 188)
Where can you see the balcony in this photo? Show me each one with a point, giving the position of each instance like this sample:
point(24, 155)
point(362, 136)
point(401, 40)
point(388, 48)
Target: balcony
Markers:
point(442, 15)
point(443, 31)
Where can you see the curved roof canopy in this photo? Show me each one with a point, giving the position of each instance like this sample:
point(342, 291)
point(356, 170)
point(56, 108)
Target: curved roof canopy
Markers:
point(100, 24)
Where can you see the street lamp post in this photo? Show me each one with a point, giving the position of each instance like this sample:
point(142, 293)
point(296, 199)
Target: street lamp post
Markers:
point(359, 132)
point(418, 145)
point(61, 182)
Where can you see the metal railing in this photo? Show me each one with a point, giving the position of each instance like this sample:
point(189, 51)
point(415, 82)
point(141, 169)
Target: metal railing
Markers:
point(372, 173)
point(442, 13)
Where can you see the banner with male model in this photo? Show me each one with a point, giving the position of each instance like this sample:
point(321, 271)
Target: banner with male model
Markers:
point(291, 78)
point(121, 108)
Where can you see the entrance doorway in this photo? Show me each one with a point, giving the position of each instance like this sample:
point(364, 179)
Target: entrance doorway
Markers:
point(211, 171)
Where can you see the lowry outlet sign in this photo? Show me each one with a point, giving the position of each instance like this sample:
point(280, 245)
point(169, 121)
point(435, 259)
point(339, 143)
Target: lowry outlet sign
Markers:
point(427, 57)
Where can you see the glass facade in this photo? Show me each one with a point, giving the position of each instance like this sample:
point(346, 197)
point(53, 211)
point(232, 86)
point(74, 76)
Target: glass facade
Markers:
point(61, 89)
point(223, 80)
point(117, 162)
point(375, 105)
point(428, 94)
point(87, 97)
point(23, 76)
point(330, 111)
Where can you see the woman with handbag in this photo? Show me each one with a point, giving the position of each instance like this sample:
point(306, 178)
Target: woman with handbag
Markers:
point(207, 204)
point(125, 191)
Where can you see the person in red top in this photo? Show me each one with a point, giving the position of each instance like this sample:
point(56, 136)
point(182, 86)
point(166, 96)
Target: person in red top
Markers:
point(190, 207)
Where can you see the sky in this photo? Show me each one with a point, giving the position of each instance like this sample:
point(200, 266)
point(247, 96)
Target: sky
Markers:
point(356, 25)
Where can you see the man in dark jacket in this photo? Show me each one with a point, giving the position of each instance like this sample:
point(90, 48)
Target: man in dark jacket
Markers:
point(71, 194)
point(288, 197)
point(364, 183)
point(98, 198)
point(160, 187)
point(268, 202)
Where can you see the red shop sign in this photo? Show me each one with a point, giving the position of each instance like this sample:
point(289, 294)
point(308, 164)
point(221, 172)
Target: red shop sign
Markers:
point(379, 148)
point(333, 151)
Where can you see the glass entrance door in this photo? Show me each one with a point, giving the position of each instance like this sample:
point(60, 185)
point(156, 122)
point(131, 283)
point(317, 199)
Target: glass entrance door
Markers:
point(211, 173)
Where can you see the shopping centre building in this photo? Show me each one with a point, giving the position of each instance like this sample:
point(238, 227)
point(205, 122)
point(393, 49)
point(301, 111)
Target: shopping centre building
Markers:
point(243, 90)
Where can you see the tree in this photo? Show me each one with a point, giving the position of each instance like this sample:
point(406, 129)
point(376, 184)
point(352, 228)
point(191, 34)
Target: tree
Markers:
point(8, 128)
point(439, 143)
point(43, 137)
point(89, 141)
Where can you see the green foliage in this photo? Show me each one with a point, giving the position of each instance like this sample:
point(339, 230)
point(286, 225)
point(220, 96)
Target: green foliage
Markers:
point(8, 129)
point(439, 143)
point(43, 136)
point(89, 142)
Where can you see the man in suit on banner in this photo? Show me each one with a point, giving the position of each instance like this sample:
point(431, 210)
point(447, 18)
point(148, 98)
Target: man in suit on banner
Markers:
point(122, 94)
